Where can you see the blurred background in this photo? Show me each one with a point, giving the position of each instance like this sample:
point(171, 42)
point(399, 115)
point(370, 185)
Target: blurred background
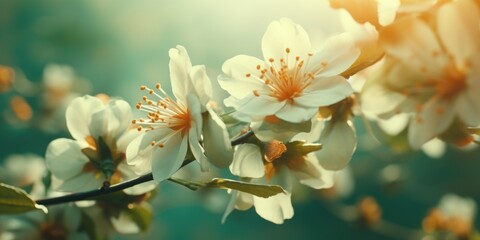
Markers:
point(62, 49)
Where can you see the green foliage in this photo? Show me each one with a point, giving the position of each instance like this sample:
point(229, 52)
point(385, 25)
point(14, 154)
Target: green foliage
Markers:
point(14, 200)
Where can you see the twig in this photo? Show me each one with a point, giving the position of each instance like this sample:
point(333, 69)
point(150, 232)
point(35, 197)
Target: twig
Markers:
point(124, 185)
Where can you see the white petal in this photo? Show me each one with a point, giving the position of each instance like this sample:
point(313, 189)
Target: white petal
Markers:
point(339, 53)
point(376, 98)
point(247, 161)
point(339, 142)
point(419, 49)
point(126, 138)
point(201, 84)
point(216, 141)
point(197, 150)
point(280, 130)
point(81, 182)
point(137, 150)
point(316, 128)
point(167, 160)
point(230, 206)
point(275, 208)
point(124, 224)
point(430, 123)
point(239, 200)
point(458, 27)
point(64, 158)
point(434, 148)
point(195, 112)
point(394, 125)
point(128, 172)
point(467, 104)
point(79, 113)
point(118, 118)
point(314, 175)
point(98, 124)
point(262, 105)
point(284, 34)
point(235, 81)
point(325, 91)
point(296, 113)
point(179, 66)
point(387, 10)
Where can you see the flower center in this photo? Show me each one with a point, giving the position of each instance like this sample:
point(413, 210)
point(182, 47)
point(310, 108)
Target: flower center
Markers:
point(285, 80)
point(454, 83)
point(277, 155)
point(163, 112)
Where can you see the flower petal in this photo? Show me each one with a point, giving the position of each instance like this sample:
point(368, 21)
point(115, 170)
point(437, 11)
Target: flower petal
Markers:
point(467, 104)
point(201, 85)
point(128, 172)
point(216, 140)
point(64, 158)
point(247, 161)
point(167, 160)
point(284, 34)
point(275, 208)
point(278, 129)
point(436, 117)
point(140, 151)
point(81, 182)
point(197, 150)
point(325, 91)
point(339, 142)
point(339, 53)
point(262, 105)
point(314, 175)
point(180, 66)
point(118, 115)
point(195, 113)
point(238, 200)
point(458, 27)
point(124, 224)
point(295, 113)
point(235, 80)
point(79, 114)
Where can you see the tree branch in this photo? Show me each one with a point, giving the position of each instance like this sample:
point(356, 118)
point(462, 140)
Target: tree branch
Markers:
point(121, 186)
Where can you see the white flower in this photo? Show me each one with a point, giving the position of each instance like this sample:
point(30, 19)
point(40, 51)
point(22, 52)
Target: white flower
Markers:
point(97, 154)
point(175, 125)
point(293, 81)
point(454, 214)
point(275, 166)
point(453, 206)
point(435, 76)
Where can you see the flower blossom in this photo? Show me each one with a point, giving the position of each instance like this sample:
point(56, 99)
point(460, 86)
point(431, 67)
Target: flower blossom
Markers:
point(276, 163)
point(433, 75)
point(293, 81)
point(174, 125)
point(97, 155)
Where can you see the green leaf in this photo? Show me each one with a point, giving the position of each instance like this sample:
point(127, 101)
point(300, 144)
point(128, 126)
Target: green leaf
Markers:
point(14, 200)
point(258, 190)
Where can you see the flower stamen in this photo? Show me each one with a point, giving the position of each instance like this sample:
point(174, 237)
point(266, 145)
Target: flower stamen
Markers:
point(162, 112)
